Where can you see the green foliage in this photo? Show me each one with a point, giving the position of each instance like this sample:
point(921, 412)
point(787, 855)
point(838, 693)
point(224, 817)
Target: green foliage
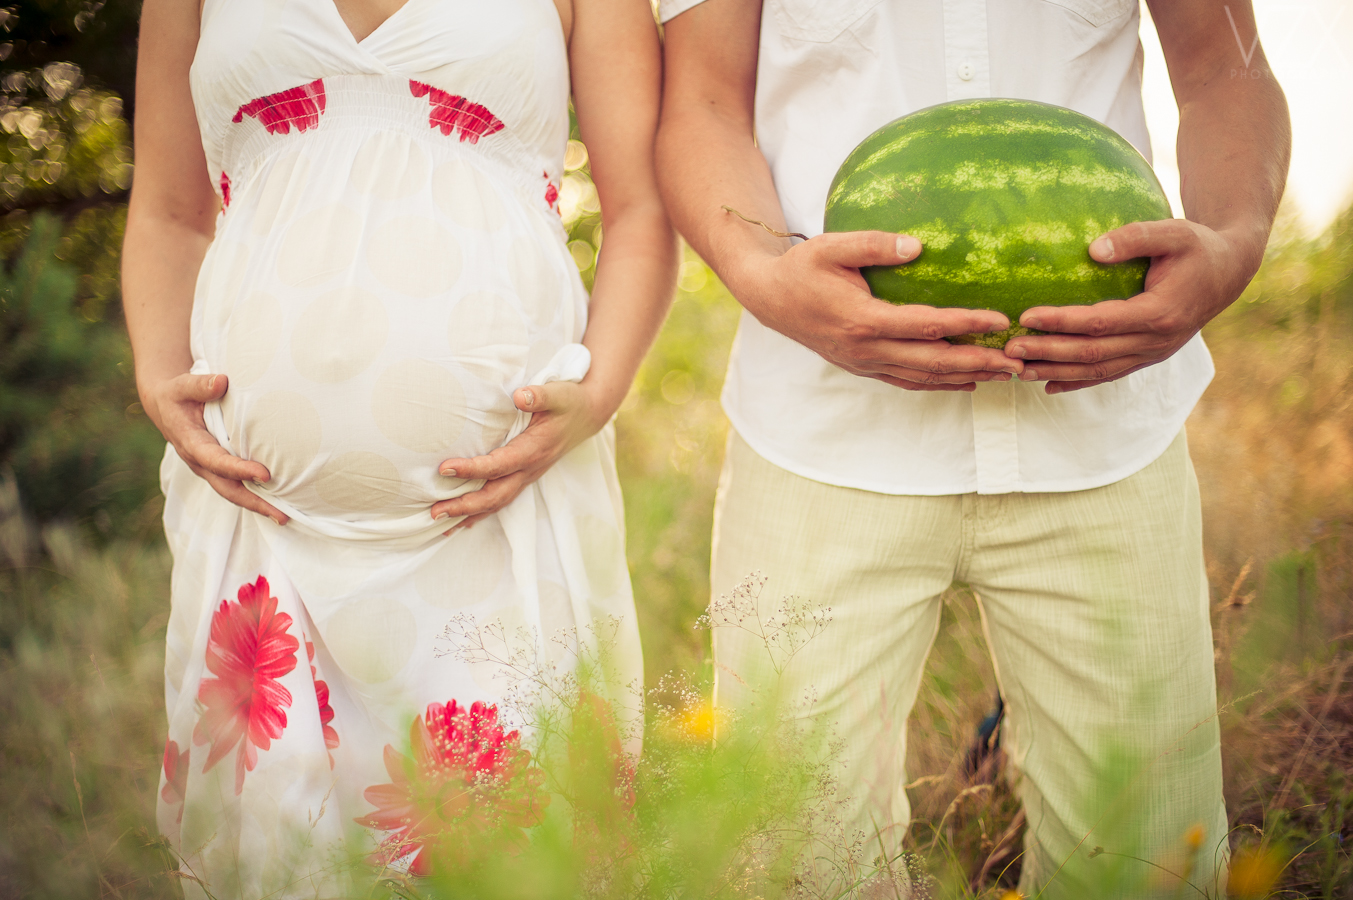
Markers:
point(95, 35)
point(62, 141)
point(82, 626)
point(70, 427)
point(710, 821)
point(670, 439)
point(81, 719)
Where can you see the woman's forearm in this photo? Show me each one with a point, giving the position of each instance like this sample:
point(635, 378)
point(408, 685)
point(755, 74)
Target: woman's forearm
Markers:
point(160, 261)
point(636, 277)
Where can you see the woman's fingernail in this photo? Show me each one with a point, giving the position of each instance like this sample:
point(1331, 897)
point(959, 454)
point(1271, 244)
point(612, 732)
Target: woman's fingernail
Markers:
point(441, 515)
point(1004, 376)
point(908, 247)
point(211, 383)
point(528, 397)
point(277, 520)
point(1029, 375)
point(1103, 249)
point(1035, 323)
point(1016, 352)
point(449, 472)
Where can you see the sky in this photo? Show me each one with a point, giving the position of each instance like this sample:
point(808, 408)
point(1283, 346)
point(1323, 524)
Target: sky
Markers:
point(1309, 44)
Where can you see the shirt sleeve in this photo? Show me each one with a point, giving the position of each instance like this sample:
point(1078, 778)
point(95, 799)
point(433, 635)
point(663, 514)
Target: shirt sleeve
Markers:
point(670, 9)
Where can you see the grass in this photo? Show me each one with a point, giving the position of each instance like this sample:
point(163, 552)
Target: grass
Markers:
point(82, 627)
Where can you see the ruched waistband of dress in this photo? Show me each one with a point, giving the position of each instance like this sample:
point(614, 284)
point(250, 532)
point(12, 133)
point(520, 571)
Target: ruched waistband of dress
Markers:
point(363, 103)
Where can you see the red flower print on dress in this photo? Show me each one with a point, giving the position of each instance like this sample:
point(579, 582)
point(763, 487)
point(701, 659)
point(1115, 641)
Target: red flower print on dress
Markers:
point(468, 789)
point(300, 106)
point(551, 193)
point(249, 649)
point(225, 189)
point(175, 776)
point(326, 712)
point(450, 112)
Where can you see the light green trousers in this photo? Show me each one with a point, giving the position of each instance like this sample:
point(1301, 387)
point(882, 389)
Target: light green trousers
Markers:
point(1095, 607)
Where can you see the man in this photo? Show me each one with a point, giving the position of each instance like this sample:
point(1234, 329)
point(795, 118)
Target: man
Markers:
point(872, 463)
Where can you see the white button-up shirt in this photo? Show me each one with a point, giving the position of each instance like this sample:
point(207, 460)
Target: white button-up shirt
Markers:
point(830, 72)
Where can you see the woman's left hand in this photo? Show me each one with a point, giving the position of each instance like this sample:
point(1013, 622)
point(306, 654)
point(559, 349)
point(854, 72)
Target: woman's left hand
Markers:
point(616, 71)
point(563, 415)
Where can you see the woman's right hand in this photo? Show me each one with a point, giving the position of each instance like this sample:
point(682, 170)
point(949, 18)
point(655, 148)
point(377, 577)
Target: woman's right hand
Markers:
point(176, 405)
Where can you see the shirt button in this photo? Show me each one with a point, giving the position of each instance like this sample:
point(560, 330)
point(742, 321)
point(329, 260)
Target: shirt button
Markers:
point(966, 70)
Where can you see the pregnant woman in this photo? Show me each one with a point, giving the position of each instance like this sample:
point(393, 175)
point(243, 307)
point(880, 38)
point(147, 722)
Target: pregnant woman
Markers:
point(356, 320)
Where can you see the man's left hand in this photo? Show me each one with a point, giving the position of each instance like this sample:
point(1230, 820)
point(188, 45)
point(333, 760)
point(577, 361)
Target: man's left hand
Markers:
point(1195, 273)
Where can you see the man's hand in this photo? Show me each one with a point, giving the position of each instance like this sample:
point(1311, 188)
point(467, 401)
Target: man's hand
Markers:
point(814, 294)
point(1195, 273)
point(1230, 190)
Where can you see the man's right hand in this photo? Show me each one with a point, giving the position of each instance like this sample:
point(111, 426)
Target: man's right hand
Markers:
point(176, 405)
point(814, 294)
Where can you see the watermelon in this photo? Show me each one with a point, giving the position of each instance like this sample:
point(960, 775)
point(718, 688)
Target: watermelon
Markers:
point(1005, 197)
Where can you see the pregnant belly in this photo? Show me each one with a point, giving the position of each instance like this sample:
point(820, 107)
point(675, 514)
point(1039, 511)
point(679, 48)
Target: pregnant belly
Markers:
point(367, 449)
point(352, 422)
point(369, 337)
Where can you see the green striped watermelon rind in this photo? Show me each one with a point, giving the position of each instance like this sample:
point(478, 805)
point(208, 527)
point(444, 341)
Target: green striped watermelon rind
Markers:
point(988, 186)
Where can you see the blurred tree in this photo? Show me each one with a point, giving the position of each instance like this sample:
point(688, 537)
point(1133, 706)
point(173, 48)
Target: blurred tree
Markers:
point(70, 426)
point(65, 67)
point(64, 146)
point(96, 36)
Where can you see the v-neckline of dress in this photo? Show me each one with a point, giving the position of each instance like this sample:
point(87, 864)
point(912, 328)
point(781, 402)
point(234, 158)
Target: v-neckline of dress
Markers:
point(360, 44)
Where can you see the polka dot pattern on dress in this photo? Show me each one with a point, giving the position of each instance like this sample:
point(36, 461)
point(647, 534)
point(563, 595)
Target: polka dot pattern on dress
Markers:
point(371, 639)
point(359, 482)
point(252, 338)
point(413, 255)
point(284, 434)
point(390, 166)
point(419, 405)
point(319, 245)
point(339, 334)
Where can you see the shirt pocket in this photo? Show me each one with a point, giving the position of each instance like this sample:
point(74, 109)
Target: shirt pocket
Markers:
point(1096, 12)
point(819, 21)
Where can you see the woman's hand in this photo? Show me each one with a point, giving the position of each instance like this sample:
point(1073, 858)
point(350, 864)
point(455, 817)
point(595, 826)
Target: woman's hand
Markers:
point(616, 71)
point(175, 405)
point(563, 415)
point(171, 219)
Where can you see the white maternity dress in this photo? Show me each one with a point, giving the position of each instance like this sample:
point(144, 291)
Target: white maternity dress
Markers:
point(389, 266)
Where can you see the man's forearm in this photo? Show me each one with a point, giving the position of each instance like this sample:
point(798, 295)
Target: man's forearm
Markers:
point(708, 164)
point(706, 153)
point(1234, 144)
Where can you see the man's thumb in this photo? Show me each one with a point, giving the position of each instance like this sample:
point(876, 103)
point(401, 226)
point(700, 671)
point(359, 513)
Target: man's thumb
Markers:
point(869, 248)
point(1141, 239)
